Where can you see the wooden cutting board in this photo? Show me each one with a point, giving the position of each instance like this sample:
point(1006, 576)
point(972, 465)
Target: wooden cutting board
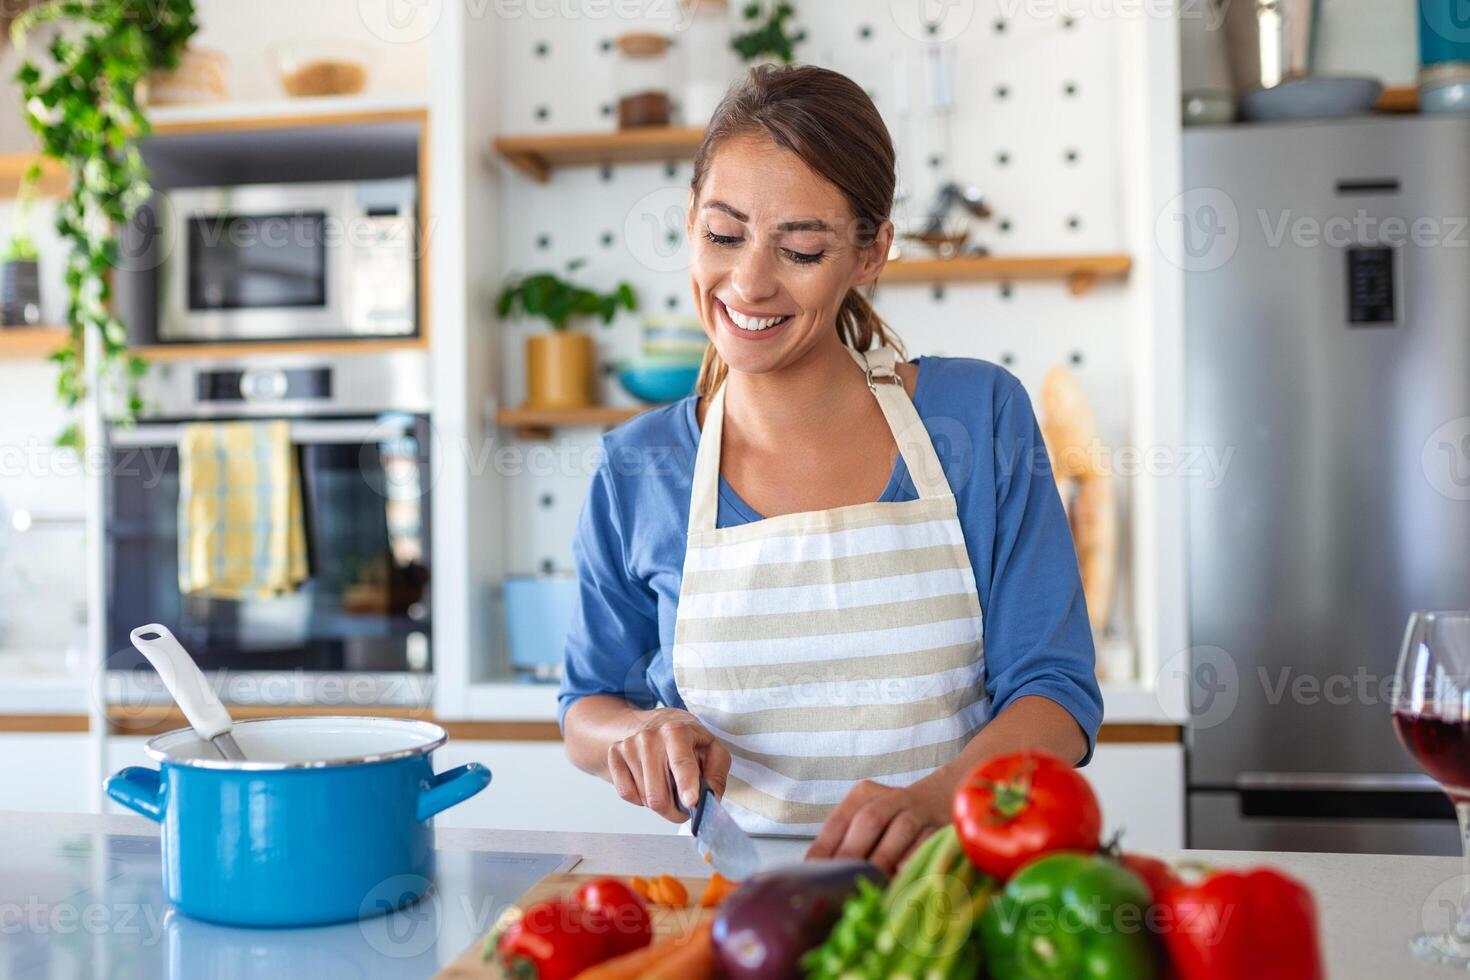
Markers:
point(666, 922)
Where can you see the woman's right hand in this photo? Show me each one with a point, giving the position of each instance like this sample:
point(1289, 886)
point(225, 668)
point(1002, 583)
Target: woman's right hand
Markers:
point(669, 740)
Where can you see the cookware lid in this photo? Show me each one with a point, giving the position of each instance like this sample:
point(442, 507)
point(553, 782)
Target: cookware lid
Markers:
point(308, 742)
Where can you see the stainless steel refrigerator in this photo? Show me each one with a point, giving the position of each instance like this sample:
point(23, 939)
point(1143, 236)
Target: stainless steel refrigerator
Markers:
point(1328, 362)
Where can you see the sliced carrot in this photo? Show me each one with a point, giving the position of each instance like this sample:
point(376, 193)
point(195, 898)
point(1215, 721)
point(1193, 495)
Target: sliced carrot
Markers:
point(640, 885)
point(675, 894)
point(690, 956)
point(714, 893)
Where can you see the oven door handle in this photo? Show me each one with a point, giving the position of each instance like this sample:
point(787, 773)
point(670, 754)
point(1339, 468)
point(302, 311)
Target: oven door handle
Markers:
point(304, 432)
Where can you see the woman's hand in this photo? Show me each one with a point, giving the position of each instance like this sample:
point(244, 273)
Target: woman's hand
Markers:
point(668, 740)
point(883, 824)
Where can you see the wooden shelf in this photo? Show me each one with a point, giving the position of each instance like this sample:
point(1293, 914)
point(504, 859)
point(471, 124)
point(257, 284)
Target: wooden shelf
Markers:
point(13, 168)
point(1399, 98)
point(32, 343)
point(537, 156)
point(179, 352)
point(538, 423)
point(229, 115)
point(1081, 272)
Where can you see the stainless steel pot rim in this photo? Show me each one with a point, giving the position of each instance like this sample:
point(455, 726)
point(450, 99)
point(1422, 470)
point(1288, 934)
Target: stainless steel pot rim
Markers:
point(436, 735)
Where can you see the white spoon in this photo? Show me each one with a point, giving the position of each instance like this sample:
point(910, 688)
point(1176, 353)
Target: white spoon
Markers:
point(186, 682)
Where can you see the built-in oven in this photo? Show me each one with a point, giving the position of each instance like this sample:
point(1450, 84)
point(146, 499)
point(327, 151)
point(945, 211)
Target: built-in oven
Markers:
point(360, 438)
point(288, 261)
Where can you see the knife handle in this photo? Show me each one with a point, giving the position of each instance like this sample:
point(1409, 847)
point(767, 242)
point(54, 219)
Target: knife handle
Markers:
point(696, 814)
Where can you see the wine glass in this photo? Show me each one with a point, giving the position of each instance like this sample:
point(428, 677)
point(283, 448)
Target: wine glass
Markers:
point(1431, 714)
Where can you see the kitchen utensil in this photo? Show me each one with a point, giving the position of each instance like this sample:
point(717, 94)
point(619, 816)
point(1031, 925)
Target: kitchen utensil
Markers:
point(1311, 98)
point(188, 687)
point(1431, 714)
point(329, 820)
point(719, 839)
point(658, 379)
point(1269, 41)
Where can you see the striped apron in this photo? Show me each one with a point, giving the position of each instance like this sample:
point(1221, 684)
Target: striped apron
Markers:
point(828, 647)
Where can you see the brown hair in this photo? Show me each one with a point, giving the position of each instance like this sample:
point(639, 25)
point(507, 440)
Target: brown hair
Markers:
point(828, 121)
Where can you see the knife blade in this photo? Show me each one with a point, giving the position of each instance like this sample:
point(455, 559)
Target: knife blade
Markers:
point(719, 839)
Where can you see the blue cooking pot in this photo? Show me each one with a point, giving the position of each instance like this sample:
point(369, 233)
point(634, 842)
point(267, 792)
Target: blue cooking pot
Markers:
point(330, 819)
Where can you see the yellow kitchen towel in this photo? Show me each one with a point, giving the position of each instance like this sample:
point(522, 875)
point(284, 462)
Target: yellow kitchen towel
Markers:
point(241, 530)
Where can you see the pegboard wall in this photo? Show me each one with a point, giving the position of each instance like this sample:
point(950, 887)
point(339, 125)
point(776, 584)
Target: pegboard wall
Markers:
point(1034, 123)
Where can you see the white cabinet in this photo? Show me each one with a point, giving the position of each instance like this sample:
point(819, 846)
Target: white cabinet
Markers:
point(536, 787)
point(1141, 788)
point(124, 751)
point(44, 772)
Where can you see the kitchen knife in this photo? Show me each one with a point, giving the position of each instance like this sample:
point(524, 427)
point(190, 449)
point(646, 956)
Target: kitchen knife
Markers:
point(718, 838)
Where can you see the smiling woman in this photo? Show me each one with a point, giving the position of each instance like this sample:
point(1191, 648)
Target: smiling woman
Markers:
point(786, 591)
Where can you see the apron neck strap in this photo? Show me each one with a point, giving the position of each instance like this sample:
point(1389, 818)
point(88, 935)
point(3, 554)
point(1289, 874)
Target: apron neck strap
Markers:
point(903, 420)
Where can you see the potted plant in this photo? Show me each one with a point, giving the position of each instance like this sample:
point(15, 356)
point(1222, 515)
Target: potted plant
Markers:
point(20, 279)
point(80, 94)
point(559, 365)
point(766, 39)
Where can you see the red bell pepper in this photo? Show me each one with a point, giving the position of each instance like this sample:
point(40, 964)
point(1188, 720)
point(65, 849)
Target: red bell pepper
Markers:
point(552, 940)
point(1229, 925)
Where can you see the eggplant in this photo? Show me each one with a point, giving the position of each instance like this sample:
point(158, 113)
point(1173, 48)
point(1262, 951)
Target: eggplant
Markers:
point(775, 916)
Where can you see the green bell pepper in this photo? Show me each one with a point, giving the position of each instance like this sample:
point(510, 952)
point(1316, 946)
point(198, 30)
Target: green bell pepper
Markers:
point(1070, 915)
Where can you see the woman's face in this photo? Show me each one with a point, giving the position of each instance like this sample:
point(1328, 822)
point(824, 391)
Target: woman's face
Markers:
point(774, 250)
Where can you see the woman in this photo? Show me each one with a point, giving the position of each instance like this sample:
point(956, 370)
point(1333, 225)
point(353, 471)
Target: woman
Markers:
point(783, 589)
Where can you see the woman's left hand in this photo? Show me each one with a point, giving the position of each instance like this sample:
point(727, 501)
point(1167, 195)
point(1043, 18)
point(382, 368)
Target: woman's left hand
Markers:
point(883, 824)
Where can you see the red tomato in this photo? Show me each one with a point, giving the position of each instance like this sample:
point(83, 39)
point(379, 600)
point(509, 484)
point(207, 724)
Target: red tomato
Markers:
point(553, 940)
point(1021, 805)
point(629, 924)
point(1157, 875)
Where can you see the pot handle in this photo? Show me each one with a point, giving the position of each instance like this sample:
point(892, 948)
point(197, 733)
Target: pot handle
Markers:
point(138, 788)
point(450, 787)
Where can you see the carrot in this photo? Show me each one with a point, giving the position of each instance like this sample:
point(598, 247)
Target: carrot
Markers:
point(675, 894)
point(640, 885)
point(714, 893)
point(690, 956)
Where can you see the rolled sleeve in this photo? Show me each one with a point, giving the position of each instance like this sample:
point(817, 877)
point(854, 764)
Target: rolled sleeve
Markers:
point(1037, 637)
point(614, 626)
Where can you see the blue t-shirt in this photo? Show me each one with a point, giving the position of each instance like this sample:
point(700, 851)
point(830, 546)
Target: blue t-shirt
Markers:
point(631, 538)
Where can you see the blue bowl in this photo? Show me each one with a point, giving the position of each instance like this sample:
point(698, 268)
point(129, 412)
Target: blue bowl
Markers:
point(659, 382)
point(330, 820)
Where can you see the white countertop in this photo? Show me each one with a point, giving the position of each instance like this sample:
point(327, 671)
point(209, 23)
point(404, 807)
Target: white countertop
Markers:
point(24, 690)
point(1369, 904)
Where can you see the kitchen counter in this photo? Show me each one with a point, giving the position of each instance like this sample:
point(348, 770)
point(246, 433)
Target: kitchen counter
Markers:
point(1369, 904)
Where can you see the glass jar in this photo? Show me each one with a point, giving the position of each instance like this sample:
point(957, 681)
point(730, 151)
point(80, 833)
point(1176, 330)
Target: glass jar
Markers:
point(707, 61)
point(642, 81)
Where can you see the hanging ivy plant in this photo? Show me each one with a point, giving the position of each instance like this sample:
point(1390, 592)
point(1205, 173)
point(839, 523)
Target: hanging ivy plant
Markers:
point(82, 101)
point(767, 39)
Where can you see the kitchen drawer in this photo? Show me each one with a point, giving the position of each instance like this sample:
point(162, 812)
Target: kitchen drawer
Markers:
point(45, 772)
point(1141, 788)
point(535, 787)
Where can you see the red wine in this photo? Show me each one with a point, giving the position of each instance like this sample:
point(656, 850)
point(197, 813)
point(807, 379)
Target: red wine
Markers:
point(1441, 747)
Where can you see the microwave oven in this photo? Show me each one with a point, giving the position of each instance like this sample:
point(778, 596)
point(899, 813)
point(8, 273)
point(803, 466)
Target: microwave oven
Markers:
point(289, 261)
